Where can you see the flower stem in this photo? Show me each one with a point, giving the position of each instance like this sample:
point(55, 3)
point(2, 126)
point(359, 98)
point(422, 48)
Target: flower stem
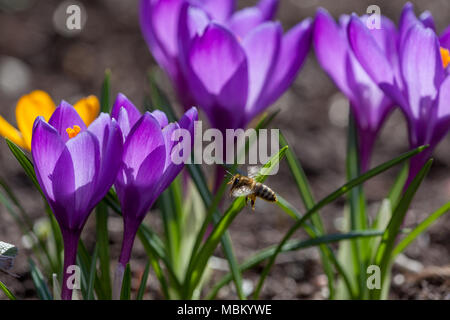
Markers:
point(71, 239)
point(129, 234)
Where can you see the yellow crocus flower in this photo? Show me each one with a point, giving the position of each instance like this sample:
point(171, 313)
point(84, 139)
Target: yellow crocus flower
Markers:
point(39, 103)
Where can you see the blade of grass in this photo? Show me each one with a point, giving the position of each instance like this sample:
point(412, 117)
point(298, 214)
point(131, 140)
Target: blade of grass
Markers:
point(6, 291)
point(211, 243)
point(28, 167)
point(147, 241)
point(421, 227)
point(125, 293)
point(26, 164)
point(384, 252)
point(358, 217)
point(105, 97)
point(153, 245)
point(92, 273)
point(101, 215)
point(308, 200)
point(170, 212)
point(214, 215)
point(326, 250)
point(41, 287)
point(331, 197)
point(160, 100)
point(143, 284)
point(291, 245)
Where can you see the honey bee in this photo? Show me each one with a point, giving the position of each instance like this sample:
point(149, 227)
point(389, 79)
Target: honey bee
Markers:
point(247, 186)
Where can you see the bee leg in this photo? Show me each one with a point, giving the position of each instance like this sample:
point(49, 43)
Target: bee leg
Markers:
point(253, 200)
point(246, 200)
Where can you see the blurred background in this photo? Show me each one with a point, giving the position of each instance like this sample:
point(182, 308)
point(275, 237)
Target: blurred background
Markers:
point(37, 52)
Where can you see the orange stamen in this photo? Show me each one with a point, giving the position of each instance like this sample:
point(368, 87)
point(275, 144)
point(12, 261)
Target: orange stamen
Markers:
point(73, 132)
point(445, 57)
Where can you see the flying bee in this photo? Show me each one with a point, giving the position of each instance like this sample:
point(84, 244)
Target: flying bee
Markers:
point(247, 186)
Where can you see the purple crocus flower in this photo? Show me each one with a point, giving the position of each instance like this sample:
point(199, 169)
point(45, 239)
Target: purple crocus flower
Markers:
point(75, 167)
point(147, 164)
point(368, 102)
point(415, 76)
point(234, 73)
point(160, 27)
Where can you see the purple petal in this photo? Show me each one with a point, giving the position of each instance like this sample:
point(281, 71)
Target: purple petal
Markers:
point(145, 137)
point(427, 20)
point(331, 48)
point(407, 20)
point(268, 8)
point(171, 169)
point(444, 39)
point(143, 164)
point(108, 133)
point(217, 49)
point(167, 133)
point(132, 112)
point(46, 148)
point(192, 23)
point(164, 15)
point(158, 50)
point(368, 53)
point(294, 48)
point(444, 99)
point(64, 117)
point(75, 178)
point(188, 119)
point(160, 117)
point(218, 10)
point(124, 123)
point(369, 102)
point(443, 112)
point(245, 20)
point(422, 69)
point(262, 47)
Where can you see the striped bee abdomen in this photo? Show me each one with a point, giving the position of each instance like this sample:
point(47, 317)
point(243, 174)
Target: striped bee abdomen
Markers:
point(265, 192)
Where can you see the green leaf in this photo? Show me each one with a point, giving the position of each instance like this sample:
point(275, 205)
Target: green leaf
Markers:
point(125, 293)
point(325, 250)
point(101, 215)
point(6, 291)
point(397, 188)
point(384, 253)
point(92, 274)
point(26, 164)
point(358, 217)
point(143, 284)
point(170, 205)
point(220, 228)
point(38, 279)
point(105, 98)
point(148, 241)
point(331, 197)
point(308, 200)
point(83, 261)
point(291, 245)
point(421, 227)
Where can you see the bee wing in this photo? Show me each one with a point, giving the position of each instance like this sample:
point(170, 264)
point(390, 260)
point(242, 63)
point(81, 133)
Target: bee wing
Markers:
point(8, 250)
point(253, 171)
point(241, 191)
point(6, 263)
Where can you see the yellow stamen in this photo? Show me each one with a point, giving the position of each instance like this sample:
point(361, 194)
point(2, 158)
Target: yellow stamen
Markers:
point(73, 132)
point(445, 57)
